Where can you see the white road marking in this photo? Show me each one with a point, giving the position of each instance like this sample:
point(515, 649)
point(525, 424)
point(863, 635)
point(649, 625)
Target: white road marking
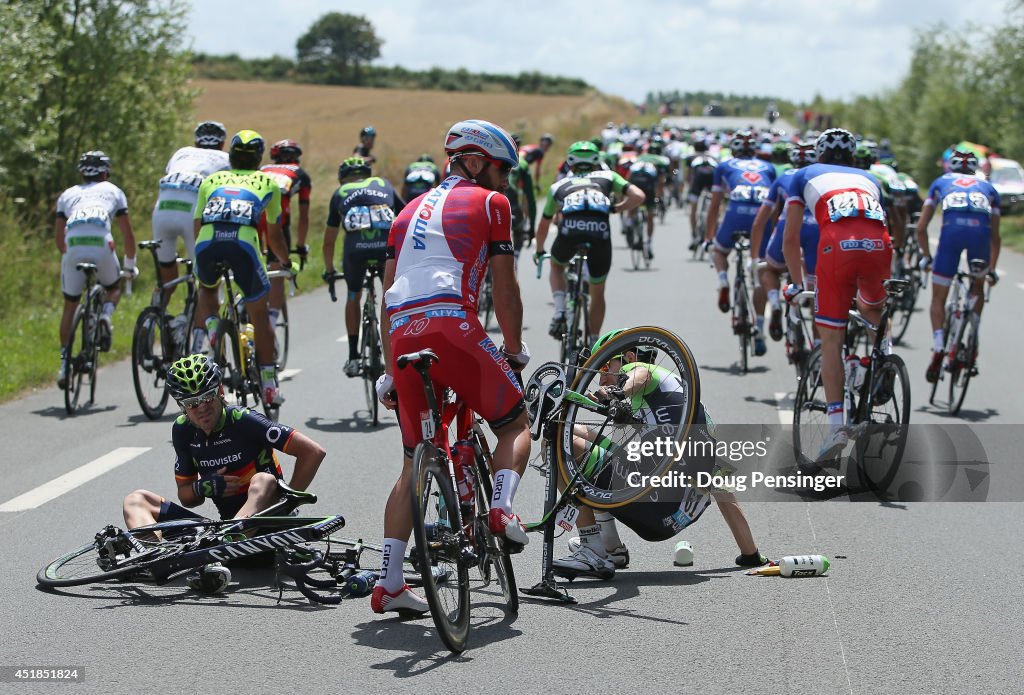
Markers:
point(1020, 285)
point(287, 373)
point(69, 481)
point(785, 407)
point(343, 339)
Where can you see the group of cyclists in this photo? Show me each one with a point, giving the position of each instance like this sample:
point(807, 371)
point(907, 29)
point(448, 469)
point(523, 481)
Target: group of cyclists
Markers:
point(841, 208)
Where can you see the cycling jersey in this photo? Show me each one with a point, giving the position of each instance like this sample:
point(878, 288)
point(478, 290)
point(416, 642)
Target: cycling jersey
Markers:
point(365, 210)
point(292, 179)
point(241, 445)
point(88, 209)
point(968, 206)
point(172, 212)
point(809, 233)
point(746, 181)
point(230, 204)
point(914, 202)
point(531, 153)
point(701, 168)
point(854, 249)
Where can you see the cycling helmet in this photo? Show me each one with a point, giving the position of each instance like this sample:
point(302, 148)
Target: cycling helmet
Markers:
point(781, 150)
point(96, 162)
point(700, 146)
point(481, 138)
point(425, 158)
point(285, 151)
point(961, 162)
point(354, 166)
point(605, 339)
point(517, 139)
point(655, 146)
point(368, 132)
point(743, 144)
point(835, 143)
point(549, 137)
point(803, 154)
point(598, 142)
point(248, 142)
point(889, 160)
point(864, 155)
point(191, 376)
point(583, 153)
point(210, 134)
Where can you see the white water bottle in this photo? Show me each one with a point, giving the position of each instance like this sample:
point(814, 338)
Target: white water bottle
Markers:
point(803, 565)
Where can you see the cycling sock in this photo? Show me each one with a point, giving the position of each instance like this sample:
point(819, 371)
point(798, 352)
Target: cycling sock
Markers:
point(197, 339)
point(108, 309)
point(273, 314)
point(938, 340)
point(609, 532)
point(835, 414)
point(723, 278)
point(590, 536)
point(353, 346)
point(759, 322)
point(773, 299)
point(505, 483)
point(392, 577)
point(212, 324)
point(268, 375)
point(559, 298)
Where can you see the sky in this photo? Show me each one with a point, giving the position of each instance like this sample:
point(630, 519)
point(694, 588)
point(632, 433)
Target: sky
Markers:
point(791, 49)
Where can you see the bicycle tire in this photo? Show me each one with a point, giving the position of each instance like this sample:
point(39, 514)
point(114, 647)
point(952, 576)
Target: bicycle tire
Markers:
point(440, 543)
point(150, 361)
point(889, 431)
point(741, 314)
point(495, 552)
point(96, 301)
point(906, 309)
point(946, 322)
point(810, 412)
point(226, 355)
point(962, 363)
point(369, 357)
point(49, 575)
point(74, 372)
point(672, 354)
point(281, 337)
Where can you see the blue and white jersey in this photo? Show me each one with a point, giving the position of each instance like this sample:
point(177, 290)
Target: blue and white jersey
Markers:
point(746, 181)
point(88, 209)
point(779, 191)
point(834, 193)
point(967, 201)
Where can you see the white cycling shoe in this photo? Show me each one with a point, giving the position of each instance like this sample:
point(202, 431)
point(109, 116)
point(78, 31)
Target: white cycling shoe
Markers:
point(584, 563)
point(619, 556)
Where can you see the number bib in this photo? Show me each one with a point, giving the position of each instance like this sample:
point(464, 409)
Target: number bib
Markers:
point(855, 204)
point(231, 211)
point(91, 216)
point(363, 217)
point(182, 181)
point(586, 199)
point(964, 201)
point(748, 194)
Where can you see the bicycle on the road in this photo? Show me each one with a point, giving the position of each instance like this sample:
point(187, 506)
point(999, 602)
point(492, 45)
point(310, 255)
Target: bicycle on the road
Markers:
point(697, 241)
point(742, 315)
point(634, 226)
point(906, 267)
point(281, 327)
point(371, 352)
point(485, 301)
point(876, 397)
point(574, 340)
point(799, 332)
point(961, 330)
point(82, 349)
point(160, 338)
point(450, 506)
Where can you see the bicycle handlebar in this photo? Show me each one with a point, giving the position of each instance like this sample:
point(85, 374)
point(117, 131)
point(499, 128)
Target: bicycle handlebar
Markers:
point(540, 262)
point(330, 279)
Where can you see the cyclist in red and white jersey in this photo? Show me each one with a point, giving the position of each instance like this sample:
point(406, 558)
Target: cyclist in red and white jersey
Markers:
point(438, 253)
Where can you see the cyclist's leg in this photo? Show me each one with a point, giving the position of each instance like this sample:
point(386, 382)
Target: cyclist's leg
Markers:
point(354, 266)
point(72, 282)
point(599, 260)
point(142, 508)
point(276, 296)
point(562, 251)
point(262, 493)
point(168, 225)
point(208, 254)
point(737, 522)
point(246, 263)
point(837, 285)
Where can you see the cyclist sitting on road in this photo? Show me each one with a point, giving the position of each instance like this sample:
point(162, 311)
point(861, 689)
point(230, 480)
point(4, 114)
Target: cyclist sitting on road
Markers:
point(222, 453)
point(82, 234)
point(970, 222)
point(584, 201)
point(655, 393)
point(175, 205)
point(367, 136)
point(854, 256)
point(366, 205)
point(700, 172)
point(420, 177)
point(438, 252)
point(228, 209)
point(293, 179)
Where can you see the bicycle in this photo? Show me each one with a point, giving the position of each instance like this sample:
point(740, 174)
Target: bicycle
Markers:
point(962, 339)
point(637, 253)
point(577, 306)
point(697, 242)
point(371, 352)
point(159, 338)
point(742, 316)
point(281, 328)
point(451, 530)
point(485, 301)
point(85, 332)
point(876, 397)
point(799, 332)
point(906, 268)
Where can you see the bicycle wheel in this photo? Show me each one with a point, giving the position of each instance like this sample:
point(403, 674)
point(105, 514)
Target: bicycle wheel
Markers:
point(281, 337)
point(810, 412)
point(879, 449)
point(150, 359)
point(962, 365)
point(436, 528)
point(491, 548)
point(226, 355)
point(77, 352)
point(947, 322)
point(905, 308)
point(85, 565)
point(741, 324)
point(93, 350)
point(600, 458)
point(372, 368)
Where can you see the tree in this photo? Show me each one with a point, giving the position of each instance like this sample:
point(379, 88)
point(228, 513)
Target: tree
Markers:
point(335, 48)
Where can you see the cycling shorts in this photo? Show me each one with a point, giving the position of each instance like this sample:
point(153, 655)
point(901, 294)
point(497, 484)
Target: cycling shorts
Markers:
point(469, 363)
point(170, 511)
point(650, 188)
point(361, 248)
point(81, 249)
point(808, 243)
point(236, 247)
point(977, 242)
point(854, 258)
point(599, 257)
point(172, 219)
point(702, 181)
point(738, 218)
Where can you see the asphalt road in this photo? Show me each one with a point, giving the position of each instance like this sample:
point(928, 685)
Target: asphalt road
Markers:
point(921, 598)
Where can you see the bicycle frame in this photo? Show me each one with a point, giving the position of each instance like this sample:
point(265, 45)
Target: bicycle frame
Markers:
point(894, 290)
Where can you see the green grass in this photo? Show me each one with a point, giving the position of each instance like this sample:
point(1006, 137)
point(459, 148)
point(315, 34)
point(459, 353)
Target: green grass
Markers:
point(1011, 229)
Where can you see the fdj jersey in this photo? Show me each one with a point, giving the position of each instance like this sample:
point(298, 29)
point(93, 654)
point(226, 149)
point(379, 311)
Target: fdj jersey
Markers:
point(585, 203)
point(241, 445)
point(746, 181)
point(968, 206)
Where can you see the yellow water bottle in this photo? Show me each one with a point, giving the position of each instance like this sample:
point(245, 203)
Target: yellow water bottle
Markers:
point(247, 342)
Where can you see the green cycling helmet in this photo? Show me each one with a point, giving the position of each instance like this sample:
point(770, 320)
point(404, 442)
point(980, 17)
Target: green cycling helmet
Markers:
point(605, 339)
point(643, 354)
point(191, 376)
point(354, 166)
point(583, 153)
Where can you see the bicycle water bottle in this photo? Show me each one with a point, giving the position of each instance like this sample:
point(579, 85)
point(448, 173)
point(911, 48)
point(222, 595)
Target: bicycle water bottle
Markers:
point(360, 584)
point(248, 342)
point(464, 459)
point(177, 325)
point(803, 565)
point(852, 369)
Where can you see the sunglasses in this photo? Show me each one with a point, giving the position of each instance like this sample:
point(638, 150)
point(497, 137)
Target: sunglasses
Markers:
point(201, 399)
point(620, 358)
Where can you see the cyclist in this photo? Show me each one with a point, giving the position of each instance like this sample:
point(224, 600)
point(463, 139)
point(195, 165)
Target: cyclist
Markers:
point(970, 222)
point(82, 234)
point(655, 393)
point(172, 212)
point(420, 177)
point(228, 210)
point(700, 173)
point(438, 252)
point(648, 173)
point(367, 136)
point(223, 453)
point(584, 201)
point(854, 256)
point(284, 168)
point(747, 181)
point(366, 205)
point(523, 200)
point(534, 154)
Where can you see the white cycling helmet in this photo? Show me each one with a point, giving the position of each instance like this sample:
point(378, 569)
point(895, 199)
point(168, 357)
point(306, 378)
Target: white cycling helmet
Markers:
point(835, 141)
point(481, 137)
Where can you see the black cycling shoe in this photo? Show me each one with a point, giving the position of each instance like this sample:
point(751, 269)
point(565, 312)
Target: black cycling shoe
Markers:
point(775, 325)
point(754, 559)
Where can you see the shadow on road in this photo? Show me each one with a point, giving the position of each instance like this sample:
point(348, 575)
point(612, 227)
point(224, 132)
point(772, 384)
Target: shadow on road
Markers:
point(349, 424)
point(734, 369)
point(62, 414)
point(139, 419)
point(965, 414)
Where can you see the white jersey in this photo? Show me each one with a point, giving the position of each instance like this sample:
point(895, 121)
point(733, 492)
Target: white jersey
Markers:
point(187, 169)
point(88, 209)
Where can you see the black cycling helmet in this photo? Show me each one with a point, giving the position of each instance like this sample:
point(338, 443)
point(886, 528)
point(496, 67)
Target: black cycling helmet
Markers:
point(700, 146)
point(210, 135)
point(354, 166)
point(192, 376)
point(94, 163)
point(368, 132)
point(425, 158)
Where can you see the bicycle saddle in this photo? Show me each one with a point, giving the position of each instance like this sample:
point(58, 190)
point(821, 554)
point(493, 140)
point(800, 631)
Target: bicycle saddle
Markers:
point(424, 357)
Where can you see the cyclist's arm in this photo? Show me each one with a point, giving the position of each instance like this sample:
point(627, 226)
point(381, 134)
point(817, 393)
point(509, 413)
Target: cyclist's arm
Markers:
point(997, 242)
point(635, 197)
point(508, 304)
point(330, 236)
point(927, 212)
point(59, 228)
point(385, 320)
point(186, 495)
point(531, 199)
point(308, 457)
point(757, 229)
point(791, 241)
point(125, 223)
point(548, 214)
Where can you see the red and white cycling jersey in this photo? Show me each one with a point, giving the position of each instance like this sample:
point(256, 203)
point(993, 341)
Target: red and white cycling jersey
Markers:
point(442, 244)
point(834, 193)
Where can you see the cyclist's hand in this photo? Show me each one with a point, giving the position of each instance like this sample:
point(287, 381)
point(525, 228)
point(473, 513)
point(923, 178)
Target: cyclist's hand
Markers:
point(518, 361)
point(212, 486)
point(327, 275)
point(386, 391)
point(707, 246)
point(131, 266)
point(993, 277)
point(791, 291)
point(925, 264)
point(303, 253)
point(538, 255)
point(233, 485)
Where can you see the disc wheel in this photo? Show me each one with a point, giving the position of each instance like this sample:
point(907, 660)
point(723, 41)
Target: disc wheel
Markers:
point(151, 357)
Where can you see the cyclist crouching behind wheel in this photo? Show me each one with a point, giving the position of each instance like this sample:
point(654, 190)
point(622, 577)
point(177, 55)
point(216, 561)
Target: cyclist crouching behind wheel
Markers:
point(366, 205)
point(438, 253)
point(222, 453)
point(228, 210)
point(584, 199)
